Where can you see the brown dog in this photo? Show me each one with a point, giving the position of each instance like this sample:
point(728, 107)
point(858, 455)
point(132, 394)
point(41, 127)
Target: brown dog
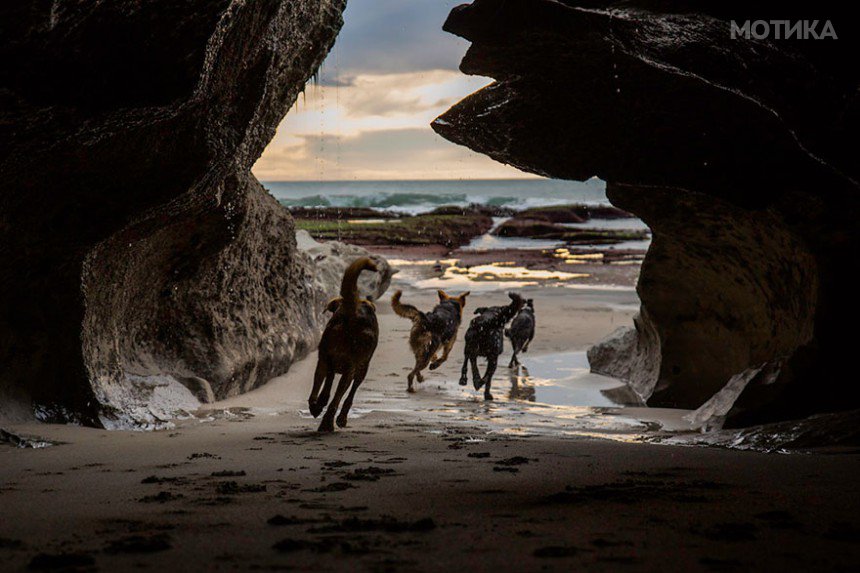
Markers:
point(346, 347)
point(431, 331)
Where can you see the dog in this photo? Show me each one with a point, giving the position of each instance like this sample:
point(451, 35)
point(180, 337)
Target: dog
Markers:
point(484, 338)
point(346, 347)
point(522, 331)
point(431, 331)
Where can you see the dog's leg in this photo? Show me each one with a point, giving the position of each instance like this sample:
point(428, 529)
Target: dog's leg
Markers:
point(409, 378)
point(347, 404)
point(420, 364)
point(327, 423)
point(464, 372)
point(446, 350)
point(529, 341)
point(425, 360)
point(514, 360)
point(477, 381)
point(319, 376)
point(322, 399)
point(492, 362)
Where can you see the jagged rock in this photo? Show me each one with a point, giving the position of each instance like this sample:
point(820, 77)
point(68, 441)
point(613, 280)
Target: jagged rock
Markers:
point(330, 261)
point(138, 251)
point(536, 228)
point(631, 354)
point(740, 154)
point(712, 413)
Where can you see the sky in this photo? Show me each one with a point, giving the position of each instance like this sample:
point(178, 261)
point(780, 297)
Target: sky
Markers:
point(391, 72)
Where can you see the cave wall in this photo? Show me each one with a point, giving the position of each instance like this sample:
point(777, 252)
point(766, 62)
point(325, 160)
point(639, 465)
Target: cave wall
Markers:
point(739, 154)
point(139, 256)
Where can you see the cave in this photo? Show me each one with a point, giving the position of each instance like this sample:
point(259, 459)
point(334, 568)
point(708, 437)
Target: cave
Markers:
point(750, 192)
point(140, 256)
point(147, 271)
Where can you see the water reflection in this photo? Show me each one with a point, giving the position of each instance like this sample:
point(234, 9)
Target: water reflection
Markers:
point(521, 388)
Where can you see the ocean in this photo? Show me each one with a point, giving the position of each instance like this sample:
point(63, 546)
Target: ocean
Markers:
point(416, 197)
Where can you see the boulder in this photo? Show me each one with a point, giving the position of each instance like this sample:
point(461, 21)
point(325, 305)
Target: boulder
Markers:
point(143, 266)
point(330, 260)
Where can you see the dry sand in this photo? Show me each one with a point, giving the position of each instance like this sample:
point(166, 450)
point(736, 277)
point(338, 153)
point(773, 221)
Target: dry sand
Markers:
point(426, 482)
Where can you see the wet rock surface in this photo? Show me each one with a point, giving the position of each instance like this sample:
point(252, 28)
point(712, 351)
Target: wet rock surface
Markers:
point(750, 192)
point(139, 255)
point(541, 229)
point(449, 227)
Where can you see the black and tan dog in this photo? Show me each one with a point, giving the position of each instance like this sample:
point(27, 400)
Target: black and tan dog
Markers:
point(522, 331)
point(346, 347)
point(431, 331)
point(484, 338)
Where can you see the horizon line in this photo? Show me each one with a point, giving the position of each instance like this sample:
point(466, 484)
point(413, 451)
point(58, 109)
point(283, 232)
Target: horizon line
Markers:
point(536, 178)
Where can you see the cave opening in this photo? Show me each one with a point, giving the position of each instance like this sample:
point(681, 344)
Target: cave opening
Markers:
point(357, 162)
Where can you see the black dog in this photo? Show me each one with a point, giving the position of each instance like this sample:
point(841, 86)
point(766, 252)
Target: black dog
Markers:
point(484, 338)
point(522, 331)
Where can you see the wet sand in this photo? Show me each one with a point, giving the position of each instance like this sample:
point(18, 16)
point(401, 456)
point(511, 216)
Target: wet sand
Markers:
point(432, 481)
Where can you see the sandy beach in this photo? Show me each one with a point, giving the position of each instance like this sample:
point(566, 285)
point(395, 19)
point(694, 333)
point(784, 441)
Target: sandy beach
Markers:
point(437, 480)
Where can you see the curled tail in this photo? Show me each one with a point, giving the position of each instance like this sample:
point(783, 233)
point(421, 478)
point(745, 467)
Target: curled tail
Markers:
point(405, 310)
point(349, 286)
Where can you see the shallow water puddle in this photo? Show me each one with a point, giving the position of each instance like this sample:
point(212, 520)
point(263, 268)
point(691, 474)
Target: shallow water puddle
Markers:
point(560, 379)
point(556, 394)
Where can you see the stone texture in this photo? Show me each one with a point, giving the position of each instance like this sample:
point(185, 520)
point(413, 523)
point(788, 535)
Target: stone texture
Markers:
point(137, 250)
point(330, 261)
point(739, 154)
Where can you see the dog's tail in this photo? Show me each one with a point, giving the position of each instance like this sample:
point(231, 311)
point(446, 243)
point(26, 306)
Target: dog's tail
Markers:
point(349, 286)
point(405, 310)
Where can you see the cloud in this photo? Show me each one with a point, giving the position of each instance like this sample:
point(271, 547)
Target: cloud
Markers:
point(376, 102)
point(382, 154)
point(393, 36)
point(392, 71)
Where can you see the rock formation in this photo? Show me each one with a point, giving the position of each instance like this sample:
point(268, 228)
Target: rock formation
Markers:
point(740, 154)
point(139, 257)
point(330, 261)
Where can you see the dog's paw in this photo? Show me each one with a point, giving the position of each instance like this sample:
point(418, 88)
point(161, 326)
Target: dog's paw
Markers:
point(410, 389)
point(435, 365)
point(488, 396)
point(341, 421)
point(478, 384)
point(316, 408)
point(463, 381)
point(326, 426)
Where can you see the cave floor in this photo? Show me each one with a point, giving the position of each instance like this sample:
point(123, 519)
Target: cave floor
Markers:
point(396, 494)
point(418, 482)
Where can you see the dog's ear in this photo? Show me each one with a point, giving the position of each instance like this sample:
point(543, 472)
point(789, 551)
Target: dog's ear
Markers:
point(462, 298)
point(443, 296)
point(531, 303)
point(480, 309)
point(333, 304)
